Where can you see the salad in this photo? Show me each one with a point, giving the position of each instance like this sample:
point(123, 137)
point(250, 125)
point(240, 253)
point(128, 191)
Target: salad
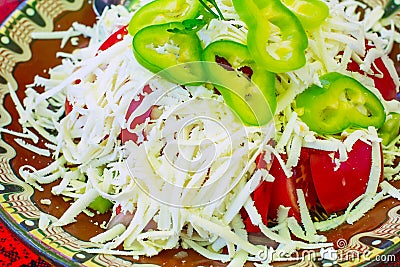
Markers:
point(204, 124)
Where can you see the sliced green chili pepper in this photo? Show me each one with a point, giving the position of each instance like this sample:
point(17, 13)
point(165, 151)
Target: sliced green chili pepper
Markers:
point(340, 103)
point(159, 47)
point(311, 13)
point(163, 11)
point(391, 7)
point(390, 130)
point(101, 204)
point(246, 88)
point(276, 39)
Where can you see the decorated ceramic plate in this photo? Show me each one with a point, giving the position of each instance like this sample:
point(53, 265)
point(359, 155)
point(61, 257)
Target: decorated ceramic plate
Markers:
point(28, 208)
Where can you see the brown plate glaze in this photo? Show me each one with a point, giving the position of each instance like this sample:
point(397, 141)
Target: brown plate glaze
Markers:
point(21, 58)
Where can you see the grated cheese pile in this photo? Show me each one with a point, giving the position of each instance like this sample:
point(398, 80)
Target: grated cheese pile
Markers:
point(166, 185)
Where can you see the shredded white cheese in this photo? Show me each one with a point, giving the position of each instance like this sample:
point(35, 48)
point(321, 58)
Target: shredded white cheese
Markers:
point(191, 173)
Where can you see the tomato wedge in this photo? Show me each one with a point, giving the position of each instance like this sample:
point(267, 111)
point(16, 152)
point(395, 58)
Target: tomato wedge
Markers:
point(337, 188)
point(284, 188)
point(324, 185)
point(68, 107)
point(282, 191)
point(381, 76)
point(261, 197)
point(126, 135)
point(114, 38)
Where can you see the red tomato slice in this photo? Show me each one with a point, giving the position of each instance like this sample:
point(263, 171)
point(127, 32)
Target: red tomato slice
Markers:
point(68, 107)
point(261, 197)
point(114, 38)
point(315, 174)
point(125, 134)
point(337, 188)
point(284, 188)
point(381, 76)
point(118, 210)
